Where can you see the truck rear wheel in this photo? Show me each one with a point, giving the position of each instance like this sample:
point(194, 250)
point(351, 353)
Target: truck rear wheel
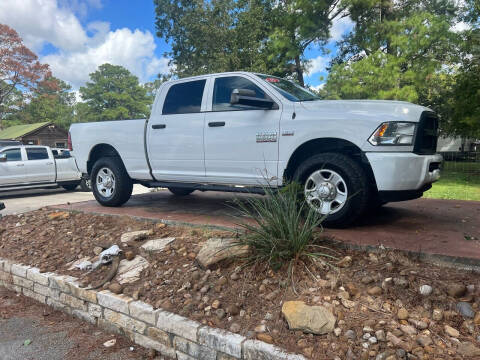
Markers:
point(180, 191)
point(110, 183)
point(335, 186)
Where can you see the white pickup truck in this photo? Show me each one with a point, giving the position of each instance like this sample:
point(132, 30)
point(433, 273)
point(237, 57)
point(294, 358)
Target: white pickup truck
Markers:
point(32, 166)
point(242, 131)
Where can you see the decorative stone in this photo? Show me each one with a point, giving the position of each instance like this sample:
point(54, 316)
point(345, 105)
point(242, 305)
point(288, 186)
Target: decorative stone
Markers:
point(425, 290)
point(456, 290)
point(311, 319)
point(402, 314)
point(469, 350)
point(135, 235)
point(375, 290)
point(157, 244)
point(450, 331)
point(437, 314)
point(465, 309)
point(129, 271)
point(218, 249)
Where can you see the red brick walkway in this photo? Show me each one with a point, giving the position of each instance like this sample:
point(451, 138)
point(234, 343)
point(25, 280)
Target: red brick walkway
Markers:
point(441, 227)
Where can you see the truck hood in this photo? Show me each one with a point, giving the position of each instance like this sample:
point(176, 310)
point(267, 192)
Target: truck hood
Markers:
point(374, 110)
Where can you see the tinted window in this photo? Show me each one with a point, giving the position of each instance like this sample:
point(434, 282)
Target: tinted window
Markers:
point(222, 91)
point(37, 154)
point(13, 154)
point(184, 98)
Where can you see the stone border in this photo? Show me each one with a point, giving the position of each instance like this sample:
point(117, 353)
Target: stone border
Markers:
point(170, 334)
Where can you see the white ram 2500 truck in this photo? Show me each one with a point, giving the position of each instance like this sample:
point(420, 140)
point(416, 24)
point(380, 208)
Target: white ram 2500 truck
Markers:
point(242, 131)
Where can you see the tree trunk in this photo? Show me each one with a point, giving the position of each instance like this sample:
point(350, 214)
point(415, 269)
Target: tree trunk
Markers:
point(299, 70)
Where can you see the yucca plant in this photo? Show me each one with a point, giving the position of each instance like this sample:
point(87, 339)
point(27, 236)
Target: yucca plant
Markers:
point(283, 228)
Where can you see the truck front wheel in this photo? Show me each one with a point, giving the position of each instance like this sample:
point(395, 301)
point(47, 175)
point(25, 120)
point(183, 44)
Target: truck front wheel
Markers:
point(111, 184)
point(335, 186)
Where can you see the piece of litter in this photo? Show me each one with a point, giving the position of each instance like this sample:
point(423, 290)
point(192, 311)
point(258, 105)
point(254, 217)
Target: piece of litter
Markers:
point(27, 342)
point(84, 265)
point(132, 348)
point(110, 343)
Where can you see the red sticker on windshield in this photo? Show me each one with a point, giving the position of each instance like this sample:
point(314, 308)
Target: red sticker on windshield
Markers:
point(272, 80)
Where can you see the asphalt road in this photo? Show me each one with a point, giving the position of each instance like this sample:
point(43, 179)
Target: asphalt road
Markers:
point(21, 201)
point(32, 331)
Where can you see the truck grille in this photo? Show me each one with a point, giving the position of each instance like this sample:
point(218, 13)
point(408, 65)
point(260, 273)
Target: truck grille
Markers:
point(427, 134)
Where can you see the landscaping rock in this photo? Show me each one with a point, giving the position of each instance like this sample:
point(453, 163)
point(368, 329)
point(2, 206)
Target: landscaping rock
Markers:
point(129, 271)
point(135, 235)
point(116, 288)
point(469, 350)
point(218, 249)
point(425, 290)
point(456, 290)
point(375, 290)
point(311, 319)
point(265, 338)
point(157, 244)
point(437, 314)
point(465, 309)
point(402, 314)
point(450, 331)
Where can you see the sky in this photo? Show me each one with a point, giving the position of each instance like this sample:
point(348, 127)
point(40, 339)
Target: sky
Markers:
point(76, 36)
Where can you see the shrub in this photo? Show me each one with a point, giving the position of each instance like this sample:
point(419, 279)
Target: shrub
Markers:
point(283, 229)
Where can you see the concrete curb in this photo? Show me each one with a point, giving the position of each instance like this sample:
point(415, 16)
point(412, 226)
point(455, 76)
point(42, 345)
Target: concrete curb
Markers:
point(170, 334)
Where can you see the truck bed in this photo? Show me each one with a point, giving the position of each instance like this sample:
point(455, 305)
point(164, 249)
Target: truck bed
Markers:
point(126, 136)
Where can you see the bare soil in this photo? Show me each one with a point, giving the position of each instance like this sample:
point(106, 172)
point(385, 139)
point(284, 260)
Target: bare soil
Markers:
point(248, 298)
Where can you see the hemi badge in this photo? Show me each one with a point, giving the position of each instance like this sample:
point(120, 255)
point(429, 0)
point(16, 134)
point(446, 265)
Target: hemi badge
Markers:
point(288, 133)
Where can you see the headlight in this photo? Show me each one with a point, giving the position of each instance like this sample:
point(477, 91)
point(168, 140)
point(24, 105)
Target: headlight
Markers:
point(393, 133)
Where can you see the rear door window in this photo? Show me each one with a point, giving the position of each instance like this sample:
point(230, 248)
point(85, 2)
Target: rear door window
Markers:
point(37, 154)
point(184, 98)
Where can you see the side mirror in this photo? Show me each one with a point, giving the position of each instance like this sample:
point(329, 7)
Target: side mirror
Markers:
point(3, 157)
point(248, 97)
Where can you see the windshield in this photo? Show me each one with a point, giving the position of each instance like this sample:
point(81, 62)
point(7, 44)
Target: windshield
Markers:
point(291, 91)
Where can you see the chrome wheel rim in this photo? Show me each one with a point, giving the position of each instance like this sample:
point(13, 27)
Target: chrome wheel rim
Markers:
point(105, 182)
point(326, 191)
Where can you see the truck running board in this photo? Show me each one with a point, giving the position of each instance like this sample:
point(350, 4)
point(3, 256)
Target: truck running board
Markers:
point(207, 187)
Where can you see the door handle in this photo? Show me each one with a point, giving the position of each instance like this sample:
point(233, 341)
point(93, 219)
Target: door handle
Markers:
point(20, 164)
point(50, 163)
point(216, 123)
point(159, 126)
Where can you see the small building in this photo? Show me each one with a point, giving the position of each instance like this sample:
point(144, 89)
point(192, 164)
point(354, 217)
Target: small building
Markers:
point(44, 133)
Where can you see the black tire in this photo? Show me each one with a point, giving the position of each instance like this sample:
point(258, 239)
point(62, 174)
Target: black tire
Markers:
point(70, 187)
point(354, 178)
point(86, 185)
point(123, 185)
point(180, 191)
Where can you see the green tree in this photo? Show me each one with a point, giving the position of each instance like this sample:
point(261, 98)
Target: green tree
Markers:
point(298, 25)
point(399, 50)
point(113, 93)
point(51, 101)
point(215, 36)
point(464, 109)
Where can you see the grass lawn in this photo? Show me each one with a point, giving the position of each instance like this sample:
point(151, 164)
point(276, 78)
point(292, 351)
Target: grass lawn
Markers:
point(459, 181)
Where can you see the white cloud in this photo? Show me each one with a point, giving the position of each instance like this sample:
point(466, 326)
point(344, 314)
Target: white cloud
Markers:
point(131, 49)
point(317, 65)
point(340, 26)
point(80, 49)
point(42, 21)
point(318, 87)
point(460, 26)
